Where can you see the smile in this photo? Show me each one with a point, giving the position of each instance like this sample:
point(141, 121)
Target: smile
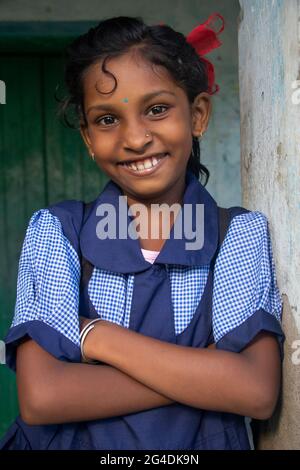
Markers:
point(145, 167)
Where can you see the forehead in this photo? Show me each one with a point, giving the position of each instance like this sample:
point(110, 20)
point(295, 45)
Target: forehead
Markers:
point(135, 77)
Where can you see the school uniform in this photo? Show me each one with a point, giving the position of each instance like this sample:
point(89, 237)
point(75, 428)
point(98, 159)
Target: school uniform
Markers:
point(225, 292)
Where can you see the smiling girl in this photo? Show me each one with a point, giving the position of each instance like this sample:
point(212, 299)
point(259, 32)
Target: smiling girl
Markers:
point(140, 343)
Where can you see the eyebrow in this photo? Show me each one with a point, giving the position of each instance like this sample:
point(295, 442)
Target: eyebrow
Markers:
point(109, 107)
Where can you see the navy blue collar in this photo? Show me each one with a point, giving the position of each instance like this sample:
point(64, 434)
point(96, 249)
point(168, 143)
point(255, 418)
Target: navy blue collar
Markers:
point(125, 256)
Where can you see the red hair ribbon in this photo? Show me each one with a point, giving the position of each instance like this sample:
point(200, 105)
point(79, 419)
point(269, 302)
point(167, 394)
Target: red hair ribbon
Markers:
point(204, 38)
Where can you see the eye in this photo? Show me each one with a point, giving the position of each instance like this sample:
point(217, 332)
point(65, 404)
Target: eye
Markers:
point(108, 120)
point(159, 106)
point(104, 120)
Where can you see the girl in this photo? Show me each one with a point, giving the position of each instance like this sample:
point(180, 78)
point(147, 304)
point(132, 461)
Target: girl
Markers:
point(189, 339)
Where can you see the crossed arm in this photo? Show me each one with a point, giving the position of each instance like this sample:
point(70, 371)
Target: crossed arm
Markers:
point(140, 373)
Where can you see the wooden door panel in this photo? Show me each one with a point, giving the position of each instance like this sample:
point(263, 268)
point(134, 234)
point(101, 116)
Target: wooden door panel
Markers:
point(41, 162)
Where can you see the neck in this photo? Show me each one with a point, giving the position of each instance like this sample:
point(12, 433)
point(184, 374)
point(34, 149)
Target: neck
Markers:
point(151, 222)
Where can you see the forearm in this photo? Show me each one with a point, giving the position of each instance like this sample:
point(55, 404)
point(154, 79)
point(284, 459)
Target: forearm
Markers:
point(208, 379)
point(66, 392)
point(97, 392)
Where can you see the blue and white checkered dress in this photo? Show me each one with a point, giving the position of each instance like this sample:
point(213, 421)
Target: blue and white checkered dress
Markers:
point(49, 274)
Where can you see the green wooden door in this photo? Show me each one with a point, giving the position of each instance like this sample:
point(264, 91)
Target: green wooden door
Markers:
point(41, 162)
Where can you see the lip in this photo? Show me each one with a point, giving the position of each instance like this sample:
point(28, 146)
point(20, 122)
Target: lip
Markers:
point(148, 171)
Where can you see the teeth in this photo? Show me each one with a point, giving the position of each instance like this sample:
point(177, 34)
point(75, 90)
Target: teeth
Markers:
point(140, 166)
point(148, 163)
point(145, 164)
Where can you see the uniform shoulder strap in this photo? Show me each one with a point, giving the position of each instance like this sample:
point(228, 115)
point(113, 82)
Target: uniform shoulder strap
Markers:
point(224, 220)
point(86, 210)
point(225, 215)
point(86, 266)
point(86, 308)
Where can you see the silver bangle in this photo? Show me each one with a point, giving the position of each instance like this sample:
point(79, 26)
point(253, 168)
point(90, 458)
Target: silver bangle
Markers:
point(87, 325)
point(82, 337)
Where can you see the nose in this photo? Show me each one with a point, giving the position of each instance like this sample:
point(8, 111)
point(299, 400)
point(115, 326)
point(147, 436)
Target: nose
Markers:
point(136, 136)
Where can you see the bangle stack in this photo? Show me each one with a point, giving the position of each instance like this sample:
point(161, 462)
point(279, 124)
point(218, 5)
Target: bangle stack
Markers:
point(85, 331)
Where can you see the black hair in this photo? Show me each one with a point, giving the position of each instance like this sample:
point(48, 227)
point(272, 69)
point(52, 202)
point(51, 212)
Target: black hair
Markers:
point(158, 44)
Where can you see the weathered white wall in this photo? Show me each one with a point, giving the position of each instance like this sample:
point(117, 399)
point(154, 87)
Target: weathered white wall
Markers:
point(221, 144)
point(269, 67)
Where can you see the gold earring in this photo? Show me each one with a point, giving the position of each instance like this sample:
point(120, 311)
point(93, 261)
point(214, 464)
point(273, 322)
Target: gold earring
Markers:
point(93, 156)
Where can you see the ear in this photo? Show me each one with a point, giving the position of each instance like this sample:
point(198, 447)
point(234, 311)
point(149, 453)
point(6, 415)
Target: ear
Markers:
point(201, 111)
point(85, 135)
